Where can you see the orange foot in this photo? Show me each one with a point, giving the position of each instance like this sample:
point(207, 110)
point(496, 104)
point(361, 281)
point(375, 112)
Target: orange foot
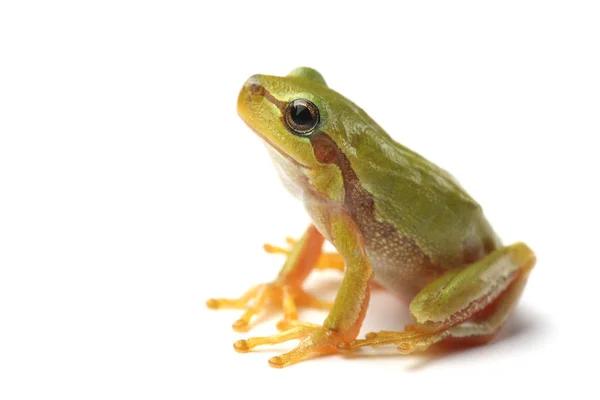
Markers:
point(408, 341)
point(287, 297)
point(285, 292)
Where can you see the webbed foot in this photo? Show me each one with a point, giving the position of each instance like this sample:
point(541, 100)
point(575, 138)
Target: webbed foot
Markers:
point(286, 297)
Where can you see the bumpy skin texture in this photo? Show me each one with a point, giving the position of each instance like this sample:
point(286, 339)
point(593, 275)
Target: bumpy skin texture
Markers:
point(392, 215)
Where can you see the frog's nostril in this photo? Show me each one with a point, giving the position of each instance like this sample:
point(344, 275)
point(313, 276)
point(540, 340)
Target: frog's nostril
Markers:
point(254, 86)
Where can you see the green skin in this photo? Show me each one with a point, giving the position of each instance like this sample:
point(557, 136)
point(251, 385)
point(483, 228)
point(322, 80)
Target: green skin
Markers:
point(392, 215)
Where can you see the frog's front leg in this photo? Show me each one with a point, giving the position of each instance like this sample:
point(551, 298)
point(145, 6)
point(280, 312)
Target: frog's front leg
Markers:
point(286, 290)
point(467, 305)
point(327, 260)
point(345, 318)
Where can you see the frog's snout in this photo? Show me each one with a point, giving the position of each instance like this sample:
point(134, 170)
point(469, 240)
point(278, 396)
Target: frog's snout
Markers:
point(250, 96)
point(253, 87)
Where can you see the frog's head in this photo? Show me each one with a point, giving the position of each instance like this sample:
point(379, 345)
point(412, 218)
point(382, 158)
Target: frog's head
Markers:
point(304, 123)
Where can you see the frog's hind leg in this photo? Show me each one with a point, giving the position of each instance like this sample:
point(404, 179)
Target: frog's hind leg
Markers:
point(467, 305)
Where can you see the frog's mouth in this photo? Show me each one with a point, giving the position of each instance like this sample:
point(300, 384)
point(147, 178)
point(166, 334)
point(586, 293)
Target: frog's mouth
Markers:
point(283, 153)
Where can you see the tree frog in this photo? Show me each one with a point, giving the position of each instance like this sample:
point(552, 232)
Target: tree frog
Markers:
point(395, 219)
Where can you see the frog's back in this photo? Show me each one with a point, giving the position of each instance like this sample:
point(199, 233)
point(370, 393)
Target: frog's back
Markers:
point(416, 219)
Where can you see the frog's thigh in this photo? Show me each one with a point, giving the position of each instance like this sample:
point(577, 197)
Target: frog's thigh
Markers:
point(470, 303)
point(460, 294)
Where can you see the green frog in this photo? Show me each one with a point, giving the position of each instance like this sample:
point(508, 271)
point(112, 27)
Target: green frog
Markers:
point(397, 221)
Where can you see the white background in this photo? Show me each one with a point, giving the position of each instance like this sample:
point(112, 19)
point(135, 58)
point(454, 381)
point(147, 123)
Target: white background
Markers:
point(130, 191)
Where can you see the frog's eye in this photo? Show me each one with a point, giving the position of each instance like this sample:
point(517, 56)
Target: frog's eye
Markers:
point(301, 117)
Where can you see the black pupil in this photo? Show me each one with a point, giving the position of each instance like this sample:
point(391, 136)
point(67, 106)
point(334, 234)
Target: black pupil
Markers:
point(301, 115)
